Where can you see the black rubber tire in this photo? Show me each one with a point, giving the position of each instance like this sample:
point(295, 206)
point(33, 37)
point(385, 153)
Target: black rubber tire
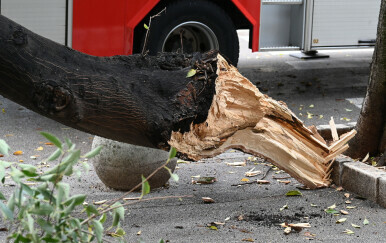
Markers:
point(201, 11)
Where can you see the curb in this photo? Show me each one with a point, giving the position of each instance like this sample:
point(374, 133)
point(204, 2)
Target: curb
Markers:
point(360, 178)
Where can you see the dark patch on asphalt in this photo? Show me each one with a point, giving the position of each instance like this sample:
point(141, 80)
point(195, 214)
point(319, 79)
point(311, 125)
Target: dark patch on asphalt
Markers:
point(270, 220)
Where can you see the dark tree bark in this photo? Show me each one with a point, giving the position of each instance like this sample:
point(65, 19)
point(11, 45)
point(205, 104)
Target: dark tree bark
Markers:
point(371, 124)
point(133, 99)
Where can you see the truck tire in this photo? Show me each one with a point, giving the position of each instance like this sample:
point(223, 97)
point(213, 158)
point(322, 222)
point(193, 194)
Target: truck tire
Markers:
point(203, 26)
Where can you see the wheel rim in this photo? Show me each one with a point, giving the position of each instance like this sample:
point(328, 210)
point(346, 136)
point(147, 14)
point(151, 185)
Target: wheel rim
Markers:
point(196, 37)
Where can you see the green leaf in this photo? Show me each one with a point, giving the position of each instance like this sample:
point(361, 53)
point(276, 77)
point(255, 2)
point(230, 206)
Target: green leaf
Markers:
point(68, 142)
point(43, 210)
point(293, 193)
point(103, 218)
point(93, 152)
point(78, 173)
point(75, 222)
point(6, 211)
point(55, 155)
point(145, 26)
point(5, 164)
point(26, 189)
point(66, 165)
point(72, 158)
point(366, 222)
point(331, 210)
point(191, 73)
point(63, 191)
point(86, 167)
point(172, 152)
point(161, 241)
point(118, 213)
point(145, 186)
point(115, 219)
point(174, 177)
point(3, 147)
point(28, 170)
point(11, 203)
point(2, 173)
point(120, 210)
point(46, 178)
point(46, 226)
point(2, 196)
point(30, 223)
point(16, 174)
point(120, 232)
point(90, 209)
point(52, 139)
point(213, 227)
point(76, 200)
point(21, 238)
point(49, 239)
point(98, 230)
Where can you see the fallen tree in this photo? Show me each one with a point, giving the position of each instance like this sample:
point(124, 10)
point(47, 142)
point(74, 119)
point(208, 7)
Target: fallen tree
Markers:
point(150, 101)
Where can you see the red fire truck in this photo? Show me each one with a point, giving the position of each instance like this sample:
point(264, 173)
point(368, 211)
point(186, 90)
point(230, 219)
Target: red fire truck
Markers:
point(116, 27)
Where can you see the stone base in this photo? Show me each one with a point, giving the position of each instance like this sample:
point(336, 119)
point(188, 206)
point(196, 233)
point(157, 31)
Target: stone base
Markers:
point(120, 165)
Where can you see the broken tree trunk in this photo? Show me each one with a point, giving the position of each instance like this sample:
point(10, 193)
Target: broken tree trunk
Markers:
point(242, 117)
point(149, 101)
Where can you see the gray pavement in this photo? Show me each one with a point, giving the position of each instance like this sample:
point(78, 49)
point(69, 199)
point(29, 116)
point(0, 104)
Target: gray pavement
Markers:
point(326, 84)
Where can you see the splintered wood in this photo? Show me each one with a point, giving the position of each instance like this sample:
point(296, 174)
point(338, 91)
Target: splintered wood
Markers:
point(242, 117)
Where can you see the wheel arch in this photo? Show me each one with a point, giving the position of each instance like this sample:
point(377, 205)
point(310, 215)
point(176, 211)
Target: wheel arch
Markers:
point(238, 18)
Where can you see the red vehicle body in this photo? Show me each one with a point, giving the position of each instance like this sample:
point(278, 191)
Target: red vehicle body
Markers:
point(109, 28)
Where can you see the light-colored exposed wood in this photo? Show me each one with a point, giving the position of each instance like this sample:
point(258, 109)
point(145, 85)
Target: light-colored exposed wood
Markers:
point(334, 132)
point(242, 117)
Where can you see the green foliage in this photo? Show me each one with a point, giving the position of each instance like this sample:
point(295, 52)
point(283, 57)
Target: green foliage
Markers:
point(172, 154)
point(145, 186)
point(45, 211)
point(3, 147)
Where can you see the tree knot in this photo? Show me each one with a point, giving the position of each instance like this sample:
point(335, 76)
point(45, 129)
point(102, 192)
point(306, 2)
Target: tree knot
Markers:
point(19, 37)
point(51, 97)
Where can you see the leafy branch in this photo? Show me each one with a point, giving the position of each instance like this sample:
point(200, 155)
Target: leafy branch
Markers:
point(44, 213)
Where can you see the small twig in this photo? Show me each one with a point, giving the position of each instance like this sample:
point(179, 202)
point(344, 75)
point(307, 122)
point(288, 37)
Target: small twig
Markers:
point(53, 187)
point(266, 173)
point(182, 44)
point(241, 184)
point(148, 29)
point(142, 200)
point(280, 178)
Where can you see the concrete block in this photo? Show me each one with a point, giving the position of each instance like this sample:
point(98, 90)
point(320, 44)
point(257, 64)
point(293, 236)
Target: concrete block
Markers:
point(325, 130)
point(337, 169)
point(120, 165)
point(382, 192)
point(362, 179)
